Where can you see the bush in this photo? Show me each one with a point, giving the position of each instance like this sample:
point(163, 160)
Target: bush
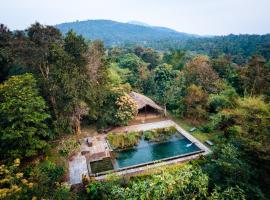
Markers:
point(123, 140)
point(68, 147)
point(207, 128)
point(234, 130)
point(127, 109)
point(159, 134)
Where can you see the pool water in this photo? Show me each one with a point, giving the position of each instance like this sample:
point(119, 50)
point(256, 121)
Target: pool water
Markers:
point(148, 151)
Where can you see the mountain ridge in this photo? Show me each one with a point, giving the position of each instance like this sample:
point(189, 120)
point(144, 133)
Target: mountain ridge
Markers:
point(113, 32)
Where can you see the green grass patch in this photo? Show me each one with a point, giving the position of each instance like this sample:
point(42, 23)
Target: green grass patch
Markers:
point(214, 136)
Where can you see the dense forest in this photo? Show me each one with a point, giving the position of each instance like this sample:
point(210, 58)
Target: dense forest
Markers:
point(52, 84)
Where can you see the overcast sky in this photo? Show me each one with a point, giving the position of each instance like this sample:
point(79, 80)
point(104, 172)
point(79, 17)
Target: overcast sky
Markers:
point(206, 17)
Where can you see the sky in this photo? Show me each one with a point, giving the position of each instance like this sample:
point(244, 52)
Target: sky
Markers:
point(204, 17)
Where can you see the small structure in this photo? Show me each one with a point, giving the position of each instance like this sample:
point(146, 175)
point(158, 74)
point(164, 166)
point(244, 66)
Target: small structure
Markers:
point(192, 129)
point(209, 142)
point(145, 104)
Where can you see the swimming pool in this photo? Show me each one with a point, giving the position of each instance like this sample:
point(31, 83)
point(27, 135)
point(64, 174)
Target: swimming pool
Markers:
point(146, 152)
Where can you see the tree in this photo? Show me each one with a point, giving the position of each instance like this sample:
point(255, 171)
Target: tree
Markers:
point(127, 109)
point(97, 77)
point(175, 58)
point(256, 76)
point(222, 100)
point(5, 52)
point(36, 53)
point(138, 68)
point(23, 127)
point(109, 108)
point(252, 114)
point(163, 77)
point(13, 183)
point(195, 101)
point(148, 55)
point(199, 72)
point(227, 168)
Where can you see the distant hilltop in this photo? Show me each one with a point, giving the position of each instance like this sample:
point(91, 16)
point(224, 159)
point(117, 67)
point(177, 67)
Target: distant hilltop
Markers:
point(112, 32)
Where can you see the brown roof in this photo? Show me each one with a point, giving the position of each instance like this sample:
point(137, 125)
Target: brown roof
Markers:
point(143, 101)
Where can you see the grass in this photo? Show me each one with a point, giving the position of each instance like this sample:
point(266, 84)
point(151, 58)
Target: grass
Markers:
point(213, 136)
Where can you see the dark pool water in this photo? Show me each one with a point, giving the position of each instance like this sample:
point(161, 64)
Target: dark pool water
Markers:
point(146, 152)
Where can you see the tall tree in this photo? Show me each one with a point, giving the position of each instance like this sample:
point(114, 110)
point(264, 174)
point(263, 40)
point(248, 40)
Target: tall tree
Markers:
point(138, 68)
point(5, 52)
point(199, 72)
point(23, 127)
point(256, 76)
point(164, 76)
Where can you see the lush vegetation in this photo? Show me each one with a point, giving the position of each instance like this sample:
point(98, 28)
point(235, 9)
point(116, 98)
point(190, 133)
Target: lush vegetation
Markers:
point(160, 134)
point(51, 83)
point(124, 140)
point(127, 140)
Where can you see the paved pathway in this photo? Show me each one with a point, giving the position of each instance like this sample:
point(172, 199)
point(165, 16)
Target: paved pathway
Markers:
point(145, 127)
point(77, 168)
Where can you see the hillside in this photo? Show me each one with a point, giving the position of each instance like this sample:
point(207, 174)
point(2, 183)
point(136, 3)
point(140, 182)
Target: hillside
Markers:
point(112, 32)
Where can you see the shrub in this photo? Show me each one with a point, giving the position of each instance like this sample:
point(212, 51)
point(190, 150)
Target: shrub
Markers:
point(127, 109)
point(68, 147)
point(234, 130)
point(123, 140)
point(207, 128)
point(159, 134)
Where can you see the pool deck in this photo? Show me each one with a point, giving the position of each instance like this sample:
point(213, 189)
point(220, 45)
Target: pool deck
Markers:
point(77, 168)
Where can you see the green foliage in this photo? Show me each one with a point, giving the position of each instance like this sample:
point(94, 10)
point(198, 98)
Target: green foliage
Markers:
point(13, 183)
point(68, 147)
point(224, 99)
point(47, 177)
point(253, 115)
point(255, 76)
point(123, 140)
point(127, 109)
point(23, 127)
point(226, 167)
point(126, 140)
point(200, 72)
point(175, 58)
point(228, 194)
point(95, 190)
point(163, 78)
point(196, 103)
point(161, 134)
point(109, 108)
point(138, 68)
point(183, 183)
point(148, 55)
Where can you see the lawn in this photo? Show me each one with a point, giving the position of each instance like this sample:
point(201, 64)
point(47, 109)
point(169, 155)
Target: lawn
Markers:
point(213, 136)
